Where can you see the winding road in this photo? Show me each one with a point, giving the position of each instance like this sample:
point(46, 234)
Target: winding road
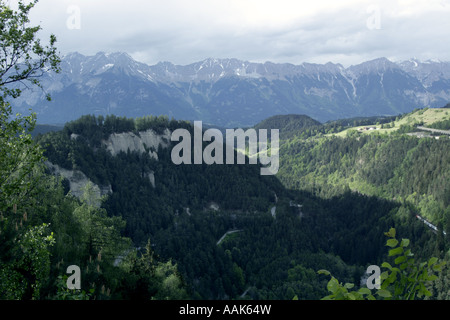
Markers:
point(227, 233)
point(434, 130)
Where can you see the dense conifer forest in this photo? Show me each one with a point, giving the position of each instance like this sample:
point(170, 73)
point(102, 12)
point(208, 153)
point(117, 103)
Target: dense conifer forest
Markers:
point(139, 227)
point(328, 208)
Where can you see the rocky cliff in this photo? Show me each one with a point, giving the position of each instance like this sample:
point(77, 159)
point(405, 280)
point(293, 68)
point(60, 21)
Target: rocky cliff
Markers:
point(145, 141)
point(78, 181)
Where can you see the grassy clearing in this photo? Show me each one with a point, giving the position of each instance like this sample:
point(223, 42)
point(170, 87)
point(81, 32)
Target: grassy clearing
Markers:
point(425, 116)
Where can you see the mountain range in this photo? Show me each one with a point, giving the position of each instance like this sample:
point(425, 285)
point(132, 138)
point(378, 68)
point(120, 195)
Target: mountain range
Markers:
point(231, 92)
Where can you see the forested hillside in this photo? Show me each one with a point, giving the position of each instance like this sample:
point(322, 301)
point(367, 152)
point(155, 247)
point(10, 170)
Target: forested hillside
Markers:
point(386, 157)
point(283, 235)
point(387, 163)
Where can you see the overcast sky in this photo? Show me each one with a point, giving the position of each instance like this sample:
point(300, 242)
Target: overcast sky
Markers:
point(293, 31)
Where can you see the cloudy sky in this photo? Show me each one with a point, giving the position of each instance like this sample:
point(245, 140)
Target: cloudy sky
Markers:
point(294, 31)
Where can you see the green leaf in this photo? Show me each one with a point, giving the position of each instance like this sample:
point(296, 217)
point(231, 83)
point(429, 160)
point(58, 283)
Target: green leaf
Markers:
point(400, 260)
point(364, 291)
point(395, 252)
point(384, 293)
point(405, 243)
point(398, 291)
point(432, 261)
point(437, 267)
point(386, 265)
point(392, 277)
point(409, 253)
point(384, 275)
point(333, 285)
point(354, 296)
point(391, 233)
point(432, 277)
point(340, 295)
point(392, 243)
point(424, 291)
point(349, 285)
point(325, 272)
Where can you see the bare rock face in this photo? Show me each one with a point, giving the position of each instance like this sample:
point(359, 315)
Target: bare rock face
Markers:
point(145, 141)
point(151, 176)
point(78, 181)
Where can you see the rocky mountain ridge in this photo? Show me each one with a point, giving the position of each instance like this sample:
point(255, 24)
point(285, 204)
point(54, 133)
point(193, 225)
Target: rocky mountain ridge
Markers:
point(232, 92)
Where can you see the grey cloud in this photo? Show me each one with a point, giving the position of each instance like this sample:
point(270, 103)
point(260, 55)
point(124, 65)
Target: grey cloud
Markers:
point(184, 32)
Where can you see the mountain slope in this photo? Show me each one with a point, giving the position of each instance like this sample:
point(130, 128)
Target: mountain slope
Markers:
point(389, 160)
point(230, 92)
point(285, 236)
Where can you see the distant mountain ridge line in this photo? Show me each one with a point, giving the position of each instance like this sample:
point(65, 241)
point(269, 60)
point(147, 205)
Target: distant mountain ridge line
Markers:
point(234, 93)
point(263, 68)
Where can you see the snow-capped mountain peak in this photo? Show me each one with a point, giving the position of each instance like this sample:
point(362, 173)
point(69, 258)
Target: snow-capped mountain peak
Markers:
point(235, 92)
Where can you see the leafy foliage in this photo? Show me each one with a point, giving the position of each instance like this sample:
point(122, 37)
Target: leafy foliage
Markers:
point(65, 293)
point(23, 276)
point(23, 57)
point(41, 227)
point(19, 158)
point(408, 280)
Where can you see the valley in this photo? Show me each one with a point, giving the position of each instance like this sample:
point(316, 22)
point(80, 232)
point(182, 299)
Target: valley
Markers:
point(127, 181)
point(347, 185)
